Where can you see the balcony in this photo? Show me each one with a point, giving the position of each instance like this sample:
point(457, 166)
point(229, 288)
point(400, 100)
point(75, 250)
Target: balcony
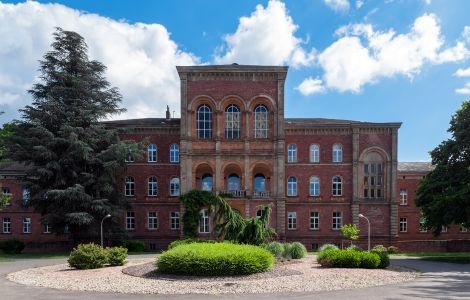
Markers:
point(234, 193)
point(260, 195)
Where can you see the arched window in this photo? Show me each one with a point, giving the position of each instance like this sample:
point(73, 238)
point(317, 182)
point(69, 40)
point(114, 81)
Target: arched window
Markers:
point(232, 122)
point(259, 213)
point(291, 153)
point(233, 182)
point(152, 186)
point(337, 153)
point(260, 122)
point(259, 183)
point(314, 153)
point(174, 153)
point(314, 186)
point(206, 183)
point(337, 186)
point(373, 176)
point(175, 186)
point(152, 153)
point(129, 189)
point(204, 122)
point(292, 186)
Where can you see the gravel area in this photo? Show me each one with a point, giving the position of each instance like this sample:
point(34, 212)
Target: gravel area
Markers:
point(309, 277)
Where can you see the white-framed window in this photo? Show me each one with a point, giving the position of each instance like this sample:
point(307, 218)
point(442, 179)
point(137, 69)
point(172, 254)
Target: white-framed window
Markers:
point(292, 220)
point(403, 197)
point(337, 186)
point(314, 153)
point(444, 229)
point(152, 186)
point(46, 228)
point(204, 122)
point(314, 220)
point(292, 153)
point(129, 189)
point(6, 191)
point(26, 225)
point(204, 221)
point(403, 225)
point(373, 180)
point(462, 228)
point(152, 153)
point(337, 153)
point(232, 122)
point(259, 213)
point(314, 186)
point(174, 186)
point(152, 220)
point(260, 121)
point(129, 158)
point(26, 195)
point(130, 220)
point(175, 220)
point(337, 220)
point(292, 186)
point(422, 222)
point(6, 225)
point(174, 153)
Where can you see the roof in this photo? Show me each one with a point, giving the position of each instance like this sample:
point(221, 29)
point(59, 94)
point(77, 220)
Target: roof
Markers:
point(334, 122)
point(232, 68)
point(145, 122)
point(12, 168)
point(415, 167)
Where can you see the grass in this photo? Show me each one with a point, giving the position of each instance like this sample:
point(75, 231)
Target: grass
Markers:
point(451, 257)
point(55, 255)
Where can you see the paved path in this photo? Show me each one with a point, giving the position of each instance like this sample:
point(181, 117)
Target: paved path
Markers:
point(438, 281)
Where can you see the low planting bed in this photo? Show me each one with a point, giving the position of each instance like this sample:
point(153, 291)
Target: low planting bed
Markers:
point(214, 259)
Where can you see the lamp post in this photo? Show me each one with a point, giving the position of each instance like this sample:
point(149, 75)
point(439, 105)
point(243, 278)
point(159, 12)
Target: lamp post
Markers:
point(105, 217)
point(368, 231)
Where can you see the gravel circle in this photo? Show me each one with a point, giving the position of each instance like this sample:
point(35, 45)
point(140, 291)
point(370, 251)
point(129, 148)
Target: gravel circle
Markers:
point(111, 279)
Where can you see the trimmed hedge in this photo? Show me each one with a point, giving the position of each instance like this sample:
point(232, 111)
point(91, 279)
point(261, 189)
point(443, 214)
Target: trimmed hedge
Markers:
point(133, 245)
point(348, 259)
point(116, 256)
point(215, 259)
point(12, 246)
point(88, 256)
point(370, 260)
point(189, 241)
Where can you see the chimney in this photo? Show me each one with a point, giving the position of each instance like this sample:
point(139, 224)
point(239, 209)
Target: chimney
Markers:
point(168, 115)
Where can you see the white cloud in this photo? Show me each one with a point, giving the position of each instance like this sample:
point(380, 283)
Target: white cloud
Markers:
point(462, 72)
point(465, 90)
point(311, 86)
point(359, 3)
point(338, 5)
point(427, 2)
point(266, 37)
point(362, 55)
point(141, 58)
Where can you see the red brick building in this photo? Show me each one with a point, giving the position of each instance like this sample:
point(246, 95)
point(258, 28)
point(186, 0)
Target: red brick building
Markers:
point(232, 137)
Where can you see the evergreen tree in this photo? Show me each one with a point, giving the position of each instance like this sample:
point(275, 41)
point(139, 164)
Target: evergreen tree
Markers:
point(444, 193)
point(74, 160)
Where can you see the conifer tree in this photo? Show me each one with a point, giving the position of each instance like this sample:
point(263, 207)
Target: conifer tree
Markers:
point(74, 160)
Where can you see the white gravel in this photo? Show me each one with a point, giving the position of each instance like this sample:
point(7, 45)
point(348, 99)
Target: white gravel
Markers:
point(111, 279)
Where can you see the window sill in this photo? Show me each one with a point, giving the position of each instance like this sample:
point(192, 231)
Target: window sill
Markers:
point(292, 229)
point(174, 229)
point(314, 229)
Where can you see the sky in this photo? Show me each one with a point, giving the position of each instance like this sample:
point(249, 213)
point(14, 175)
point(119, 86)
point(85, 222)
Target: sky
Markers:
point(378, 61)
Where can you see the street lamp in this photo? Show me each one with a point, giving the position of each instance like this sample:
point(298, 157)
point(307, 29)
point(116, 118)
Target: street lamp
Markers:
point(105, 217)
point(368, 231)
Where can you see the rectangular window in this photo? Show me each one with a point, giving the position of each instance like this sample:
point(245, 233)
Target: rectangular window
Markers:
point(6, 225)
point(152, 220)
point(175, 220)
point(46, 228)
point(292, 220)
point(204, 221)
point(26, 225)
point(422, 227)
point(315, 247)
point(444, 229)
point(403, 225)
point(372, 180)
point(314, 220)
point(130, 220)
point(403, 197)
point(337, 220)
point(462, 228)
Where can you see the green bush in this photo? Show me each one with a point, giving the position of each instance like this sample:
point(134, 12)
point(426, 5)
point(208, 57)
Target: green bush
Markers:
point(188, 241)
point(12, 246)
point(276, 249)
point(379, 248)
point(328, 247)
point(133, 245)
point(392, 250)
point(369, 260)
point(355, 248)
point(382, 252)
point(88, 256)
point(116, 256)
point(348, 259)
point(298, 250)
point(287, 252)
point(215, 259)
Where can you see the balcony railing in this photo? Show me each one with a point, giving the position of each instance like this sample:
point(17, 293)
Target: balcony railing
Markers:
point(234, 193)
point(260, 194)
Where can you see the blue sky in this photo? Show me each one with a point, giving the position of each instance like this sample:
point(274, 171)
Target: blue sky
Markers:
point(379, 61)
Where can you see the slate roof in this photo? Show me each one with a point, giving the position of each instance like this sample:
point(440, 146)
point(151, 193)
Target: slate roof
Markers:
point(145, 122)
point(334, 122)
point(419, 167)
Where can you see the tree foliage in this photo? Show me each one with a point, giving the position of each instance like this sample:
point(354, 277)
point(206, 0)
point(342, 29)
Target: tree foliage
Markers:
point(350, 231)
point(444, 193)
point(74, 160)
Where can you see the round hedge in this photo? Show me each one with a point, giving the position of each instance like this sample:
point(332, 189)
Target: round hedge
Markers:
point(218, 259)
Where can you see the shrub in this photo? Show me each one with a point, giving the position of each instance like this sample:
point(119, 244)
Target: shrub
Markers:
point(116, 256)
point(12, 246)
point(354, 248)
point(369, 260)
point(87, 256)
point(217, 259)
point(188, 241)
point(379, 248)
point(382, 252)
point(276, 249)
point(287, 252)
point(328, 247)
point(133, 245)
point(392, 250)
point(298, 250)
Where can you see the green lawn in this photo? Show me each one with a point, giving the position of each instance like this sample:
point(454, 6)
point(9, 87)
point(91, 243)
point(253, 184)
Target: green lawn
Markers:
point(452, 257)
point(11, 257)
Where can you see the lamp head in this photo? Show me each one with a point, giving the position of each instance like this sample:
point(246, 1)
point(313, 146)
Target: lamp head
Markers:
point(108, 216)
point(361, 215)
